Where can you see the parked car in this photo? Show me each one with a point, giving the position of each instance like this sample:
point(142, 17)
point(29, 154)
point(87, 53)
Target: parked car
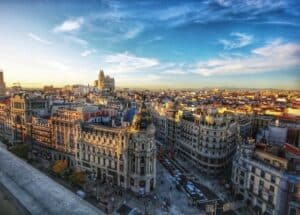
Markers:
point(81, 194)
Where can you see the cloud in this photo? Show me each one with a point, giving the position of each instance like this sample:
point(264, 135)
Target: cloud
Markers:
point(39, 39)
point(174, 72)
point(222, 11)
point(273, 56)
point(125, 63)
point(70, 25)
point(241, 40)
point(132, 33)
point(276, 22)
point(87, 52)
point(115, 26)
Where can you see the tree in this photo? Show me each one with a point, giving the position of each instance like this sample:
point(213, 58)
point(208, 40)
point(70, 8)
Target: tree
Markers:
point(21, 150)
point(77, 178)
point(60, 166)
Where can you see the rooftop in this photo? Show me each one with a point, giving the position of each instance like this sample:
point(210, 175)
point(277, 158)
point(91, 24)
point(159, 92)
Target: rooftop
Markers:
point(36, 191)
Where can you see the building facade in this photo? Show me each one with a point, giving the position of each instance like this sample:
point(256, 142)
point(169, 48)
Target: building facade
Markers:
point(2, 85)
point(5, 120)
point(120, 155)
point(208, 140)
point(105, 82)
point(22, 108)
point(264, 181)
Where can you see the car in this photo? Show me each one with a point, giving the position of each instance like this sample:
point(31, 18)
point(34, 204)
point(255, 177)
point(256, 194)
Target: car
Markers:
point(190, 183)
point(81, 194)
point(190, 188)
point(167, 161)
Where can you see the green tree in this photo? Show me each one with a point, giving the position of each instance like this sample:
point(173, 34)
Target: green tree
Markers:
point(77, 178)
point(21, 150)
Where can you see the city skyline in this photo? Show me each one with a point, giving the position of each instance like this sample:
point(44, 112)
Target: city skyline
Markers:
point(149, 44)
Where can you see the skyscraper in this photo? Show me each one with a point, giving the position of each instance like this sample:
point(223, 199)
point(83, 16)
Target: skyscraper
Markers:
point(2, 85)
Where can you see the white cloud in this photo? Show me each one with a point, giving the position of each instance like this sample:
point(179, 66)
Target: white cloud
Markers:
point(174, 72)
point(125, 62)
point(70, 25)
point(132, 33)
point(87, 52)
point(39, 39)
point(273, 56)
point(241, 40)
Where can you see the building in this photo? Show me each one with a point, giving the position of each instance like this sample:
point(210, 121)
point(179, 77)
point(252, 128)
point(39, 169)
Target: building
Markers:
point(119, 154)
point(282, 131)
point(5, 123)
point(208, 140)
point(260, 122)
point(105, 82)
point(142, 153)
point(2, 85)
point(65, 130)
point(41, 134)
point(245, 127)
point(22, 108)
point(267, 179)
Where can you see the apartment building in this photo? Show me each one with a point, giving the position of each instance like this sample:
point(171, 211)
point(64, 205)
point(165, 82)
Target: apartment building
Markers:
point(265, 179)
point(123, 155)
point(5, 122)
point(208, 140)
point(22, 108)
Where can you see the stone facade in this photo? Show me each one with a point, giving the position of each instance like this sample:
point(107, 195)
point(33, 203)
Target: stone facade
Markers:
point(208, 141)
point(105, 82)
point(123, 156)
point(262, 180)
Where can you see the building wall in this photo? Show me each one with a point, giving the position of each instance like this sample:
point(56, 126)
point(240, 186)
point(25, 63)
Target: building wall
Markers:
point(209, 146)
point(263, 186)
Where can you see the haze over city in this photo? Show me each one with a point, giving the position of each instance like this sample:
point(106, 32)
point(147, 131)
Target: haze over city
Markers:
point(152, 44)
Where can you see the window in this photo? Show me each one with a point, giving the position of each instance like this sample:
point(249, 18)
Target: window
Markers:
point(142, 170)
point(273, 179)
point(292, 211)
point(131, 181)
point(272, 189)
point(271, 198)
point(261, 183)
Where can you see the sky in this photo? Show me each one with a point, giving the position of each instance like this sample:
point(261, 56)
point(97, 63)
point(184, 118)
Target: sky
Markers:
point(152, 44)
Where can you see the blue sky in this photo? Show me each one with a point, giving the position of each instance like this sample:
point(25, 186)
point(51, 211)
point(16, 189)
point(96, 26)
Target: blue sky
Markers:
point(218, 43)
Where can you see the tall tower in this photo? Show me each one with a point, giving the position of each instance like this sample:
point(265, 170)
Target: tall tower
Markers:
point(101, 79)
point(2, 85)
point(142, 153)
